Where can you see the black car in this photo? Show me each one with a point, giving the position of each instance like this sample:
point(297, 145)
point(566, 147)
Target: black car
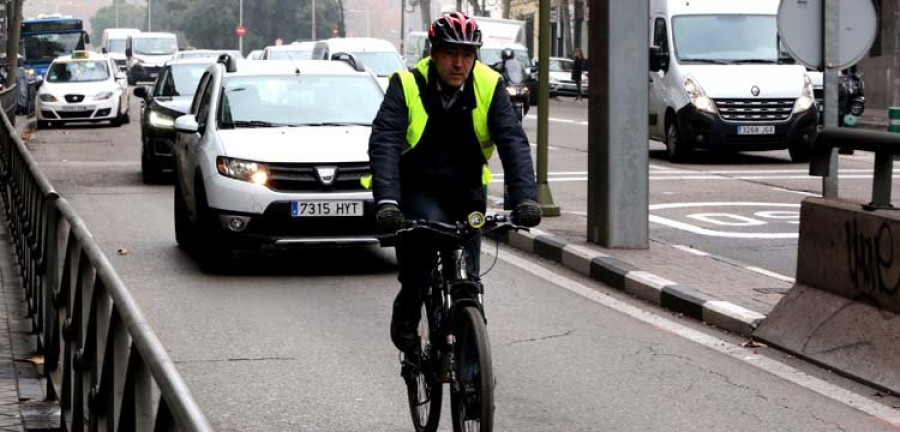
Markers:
point(168, 98)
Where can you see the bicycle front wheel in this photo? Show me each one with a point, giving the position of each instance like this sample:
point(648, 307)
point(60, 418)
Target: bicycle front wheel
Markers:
point(472, 396)
point(423, 386)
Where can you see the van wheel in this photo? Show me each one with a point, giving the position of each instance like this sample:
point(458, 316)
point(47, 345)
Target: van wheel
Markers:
point(676, 147)
point(800, 152)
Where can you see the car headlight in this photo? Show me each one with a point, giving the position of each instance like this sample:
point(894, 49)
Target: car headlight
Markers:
point(46, 97)
point(161, 120)
point(697, 97)
point(253, 172)
point(103, 95)
point(806, 98)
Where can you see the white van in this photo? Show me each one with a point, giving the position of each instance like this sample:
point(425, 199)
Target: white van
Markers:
point(720, 80)
point(147, 53)
point(378, 55)
point(113, 44)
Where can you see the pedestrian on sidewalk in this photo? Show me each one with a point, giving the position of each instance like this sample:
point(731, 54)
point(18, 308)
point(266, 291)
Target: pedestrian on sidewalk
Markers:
point(577, 71)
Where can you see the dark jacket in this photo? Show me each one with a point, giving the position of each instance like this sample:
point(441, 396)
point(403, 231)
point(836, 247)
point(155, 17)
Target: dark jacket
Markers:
point(447, 161)
point(577, 68)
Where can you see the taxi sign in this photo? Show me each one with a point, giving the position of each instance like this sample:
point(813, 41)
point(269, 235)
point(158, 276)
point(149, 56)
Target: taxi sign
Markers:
point(80, 55)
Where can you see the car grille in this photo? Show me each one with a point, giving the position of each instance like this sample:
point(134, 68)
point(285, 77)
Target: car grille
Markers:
point(755, 110)
point(301, 177)
point(74, 98)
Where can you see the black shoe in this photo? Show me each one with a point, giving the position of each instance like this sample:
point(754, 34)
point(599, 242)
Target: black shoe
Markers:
point(404, 329)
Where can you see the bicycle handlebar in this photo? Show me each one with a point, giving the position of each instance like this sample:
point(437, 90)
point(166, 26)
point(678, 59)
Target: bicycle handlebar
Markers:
point(460, 231)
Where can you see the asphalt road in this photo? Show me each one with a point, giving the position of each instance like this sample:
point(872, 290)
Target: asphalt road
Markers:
point(743, 206)
point(299, 342)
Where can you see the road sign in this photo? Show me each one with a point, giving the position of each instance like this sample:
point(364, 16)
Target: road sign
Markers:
point(800, 31)
point(240, 30)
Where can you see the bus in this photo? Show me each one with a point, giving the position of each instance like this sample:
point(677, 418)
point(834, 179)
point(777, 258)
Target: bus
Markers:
point(49, 36)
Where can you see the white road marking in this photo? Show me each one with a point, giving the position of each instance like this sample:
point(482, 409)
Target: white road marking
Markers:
point(723, 219)
point(711, 233)
point(804, 193)
point(533, 117)
point(744, 355)
point(770, 274)
point(715, 177)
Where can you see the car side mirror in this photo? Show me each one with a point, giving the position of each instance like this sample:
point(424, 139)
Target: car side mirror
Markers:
point(104, 50)
point(141, 92)
point(659, 59)
point(87, 39)
point(187, 124)
point(128, 52)
point(38, 82)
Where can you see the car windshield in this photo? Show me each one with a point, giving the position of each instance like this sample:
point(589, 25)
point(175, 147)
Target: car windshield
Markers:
point(47, 47)
point(78, 71)
point(299, 100)
point(382, 63)
point(154, 46)
point(491, 56)
point(181, 80)
point(739, 39)
point(290, 54)
point(117, 46)
point(559, 65)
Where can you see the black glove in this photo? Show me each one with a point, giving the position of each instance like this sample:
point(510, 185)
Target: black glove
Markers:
point(389, 217)
point(527, 213)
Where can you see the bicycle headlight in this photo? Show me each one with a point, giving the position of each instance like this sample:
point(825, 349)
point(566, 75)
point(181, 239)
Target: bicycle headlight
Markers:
point(47, 97)
point(103, 95)
point(161, 120)
point(248, 171)
point(806, 98)
point(698, 97)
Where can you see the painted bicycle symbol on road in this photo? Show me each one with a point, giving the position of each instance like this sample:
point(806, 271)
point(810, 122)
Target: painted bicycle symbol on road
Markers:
point(745, 220)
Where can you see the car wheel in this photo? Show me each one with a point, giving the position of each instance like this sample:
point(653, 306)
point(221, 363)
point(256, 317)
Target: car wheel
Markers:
point(213, 254)
point(676, 147)
point(800, 152)
point(151, 171)
point(184, 231)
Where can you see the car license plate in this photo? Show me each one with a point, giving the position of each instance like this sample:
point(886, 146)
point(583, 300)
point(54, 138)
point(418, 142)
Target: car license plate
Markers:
point(326, 208)
point(756, 130)
point(75, 108)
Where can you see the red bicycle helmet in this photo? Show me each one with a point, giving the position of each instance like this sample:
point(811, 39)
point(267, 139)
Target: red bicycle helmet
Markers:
point(455, 28)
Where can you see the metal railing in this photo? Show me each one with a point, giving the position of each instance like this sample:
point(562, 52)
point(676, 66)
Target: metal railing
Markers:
point(102, 361)
point(885, 145)
point(9, 99)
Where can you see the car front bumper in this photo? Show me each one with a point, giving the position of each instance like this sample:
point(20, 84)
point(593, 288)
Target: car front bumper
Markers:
point(705, 130)
point(82, 111)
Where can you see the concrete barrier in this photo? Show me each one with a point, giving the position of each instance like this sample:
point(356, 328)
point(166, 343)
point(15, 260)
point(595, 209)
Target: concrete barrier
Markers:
point(843, 311)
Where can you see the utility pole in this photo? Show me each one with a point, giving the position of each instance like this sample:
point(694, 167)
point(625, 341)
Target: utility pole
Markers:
point(117, 12)
point(314, 20)
point(545, 198)
point(618, 161)
point(149, 15)
point(830, 45)
point(895, 93)
point(403, 26)
point(14, 10)
point(241, 23)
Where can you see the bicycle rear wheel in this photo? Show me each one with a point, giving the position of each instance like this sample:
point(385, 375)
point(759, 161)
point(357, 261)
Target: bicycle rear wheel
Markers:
point(472, 397)
point(423, 386)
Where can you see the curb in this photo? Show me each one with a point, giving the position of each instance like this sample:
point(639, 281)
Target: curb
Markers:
point(644, 285)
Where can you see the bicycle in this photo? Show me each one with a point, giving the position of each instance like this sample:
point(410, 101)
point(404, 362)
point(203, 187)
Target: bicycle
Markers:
point(454, 346)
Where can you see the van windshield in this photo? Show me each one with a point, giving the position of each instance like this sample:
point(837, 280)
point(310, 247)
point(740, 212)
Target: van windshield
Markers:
point(154, 46)
point(382, 63)
point(116, 46)
point(737, 39)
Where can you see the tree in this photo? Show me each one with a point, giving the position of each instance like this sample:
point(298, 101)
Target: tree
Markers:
point(130, 16)
point(895, 87)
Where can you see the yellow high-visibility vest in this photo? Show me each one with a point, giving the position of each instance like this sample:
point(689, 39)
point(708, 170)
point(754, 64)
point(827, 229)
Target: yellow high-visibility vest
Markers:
point(484, 80)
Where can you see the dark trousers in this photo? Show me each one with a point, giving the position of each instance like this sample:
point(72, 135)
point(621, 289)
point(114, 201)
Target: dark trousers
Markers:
point(416, 255)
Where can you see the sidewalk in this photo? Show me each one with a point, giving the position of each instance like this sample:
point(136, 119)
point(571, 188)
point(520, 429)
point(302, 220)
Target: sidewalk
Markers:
point(874, 119)
point(713, 289)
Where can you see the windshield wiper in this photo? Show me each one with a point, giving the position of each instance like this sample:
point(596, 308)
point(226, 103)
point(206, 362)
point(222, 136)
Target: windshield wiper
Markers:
point(758, 61)
point(707, 60)
point(251, 123)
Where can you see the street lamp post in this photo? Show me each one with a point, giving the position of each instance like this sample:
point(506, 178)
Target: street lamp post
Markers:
point(314, 20)
point(117, 12)
point(149, 15)
point(241, 23)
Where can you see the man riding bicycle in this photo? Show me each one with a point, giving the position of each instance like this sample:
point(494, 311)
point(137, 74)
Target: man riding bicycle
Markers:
point(439, 124)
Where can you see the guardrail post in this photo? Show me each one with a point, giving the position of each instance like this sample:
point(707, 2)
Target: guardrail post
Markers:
point(881, 184)
point(894, 116)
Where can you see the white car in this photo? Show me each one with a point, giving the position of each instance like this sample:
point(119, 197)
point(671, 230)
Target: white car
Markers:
point(83, 87)
point(378, 55)
point(271, 156)
point(561, 82)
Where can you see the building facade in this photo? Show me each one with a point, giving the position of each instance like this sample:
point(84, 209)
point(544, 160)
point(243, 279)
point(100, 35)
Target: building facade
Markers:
point(879, 67)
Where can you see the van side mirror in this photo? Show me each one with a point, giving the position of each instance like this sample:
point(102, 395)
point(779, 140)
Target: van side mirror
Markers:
point(659, 59)
point(104, 50)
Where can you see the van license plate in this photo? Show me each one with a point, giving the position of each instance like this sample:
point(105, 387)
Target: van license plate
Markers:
point(756, 130)
point(326, 208)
